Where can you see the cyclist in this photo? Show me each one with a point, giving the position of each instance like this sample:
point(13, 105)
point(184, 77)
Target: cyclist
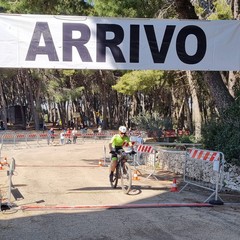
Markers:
point(115, 145)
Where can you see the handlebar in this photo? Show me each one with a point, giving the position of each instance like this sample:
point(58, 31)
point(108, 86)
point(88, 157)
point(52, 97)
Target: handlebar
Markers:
point(121, 151)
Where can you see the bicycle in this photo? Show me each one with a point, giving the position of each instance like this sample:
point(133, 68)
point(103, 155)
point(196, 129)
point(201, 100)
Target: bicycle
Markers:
point(123, 171)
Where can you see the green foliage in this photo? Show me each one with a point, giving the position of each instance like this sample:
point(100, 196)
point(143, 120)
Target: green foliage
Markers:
point(199, 10)
point(134, 81)
point(68, 72)
point(153, 123)
point(5, 5)
point(224, 134)
point(222, 11)
point(213, 9)
point(127, 8)
point(186, 139)
point(63, 7)
point(63, 87)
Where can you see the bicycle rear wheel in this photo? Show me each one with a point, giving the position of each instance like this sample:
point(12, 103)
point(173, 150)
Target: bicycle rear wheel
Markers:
point(115, 178)
point(126, 177)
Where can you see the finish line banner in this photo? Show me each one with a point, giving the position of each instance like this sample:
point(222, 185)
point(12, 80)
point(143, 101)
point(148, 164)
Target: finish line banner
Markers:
point(75, 42)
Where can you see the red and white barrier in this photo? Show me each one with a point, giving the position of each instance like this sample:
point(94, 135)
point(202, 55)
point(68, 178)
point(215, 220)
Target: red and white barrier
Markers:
point(146, 155)
point(20, 136)
point(126, 144)
point(18, 139)
point(145, 148)
point(204, 168)
point(8, 136)
point(32, 135)
point(203, 154)
point(43, 135)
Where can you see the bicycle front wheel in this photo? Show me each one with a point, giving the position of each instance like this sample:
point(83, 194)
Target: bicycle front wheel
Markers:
point(126, 177)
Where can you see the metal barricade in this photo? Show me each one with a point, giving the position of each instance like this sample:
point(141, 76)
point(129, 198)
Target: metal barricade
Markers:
point(171, 160)
point(32, 139)
point(204, 168)
point(94, 137)
point(8, 140)
point(20, 140)
point(146, 160)
point(5, 201)
point(10, 173)
point(28, 139)
point(106, 157)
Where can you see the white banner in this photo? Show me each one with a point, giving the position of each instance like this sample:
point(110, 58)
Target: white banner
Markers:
point(75, 42)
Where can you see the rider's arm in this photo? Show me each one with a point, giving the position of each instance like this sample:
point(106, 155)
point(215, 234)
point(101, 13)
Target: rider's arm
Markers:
point(110, 147)
point(129, 142)
point(131, 145)
point(111, 144)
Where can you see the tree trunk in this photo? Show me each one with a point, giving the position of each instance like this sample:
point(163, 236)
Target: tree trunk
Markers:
point(218, 90)
point(34, 111)
point(185, 9)
point(104, 100)
point(196, 114)
point(4, 107)
point(21, 85)
point(231, 83)
point(235, 9)
point(62, 113)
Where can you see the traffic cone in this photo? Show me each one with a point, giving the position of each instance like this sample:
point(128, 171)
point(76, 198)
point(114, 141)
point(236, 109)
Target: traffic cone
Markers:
point(174, 186)
point(135, 175)
point(100, 163)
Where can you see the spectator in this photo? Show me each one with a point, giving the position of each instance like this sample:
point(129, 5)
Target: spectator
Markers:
point(50, 136)
point(62, 137)
point(68, 133)
point(74, 135)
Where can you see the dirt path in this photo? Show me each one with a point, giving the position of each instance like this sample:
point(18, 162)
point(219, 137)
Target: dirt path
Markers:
point(69, 175)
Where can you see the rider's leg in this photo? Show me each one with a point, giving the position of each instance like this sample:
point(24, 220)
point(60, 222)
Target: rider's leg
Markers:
point(113, 166)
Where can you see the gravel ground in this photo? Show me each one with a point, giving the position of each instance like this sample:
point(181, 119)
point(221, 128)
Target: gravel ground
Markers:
point(69, 177)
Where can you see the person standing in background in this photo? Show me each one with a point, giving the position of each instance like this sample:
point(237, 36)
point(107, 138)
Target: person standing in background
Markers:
point(62, 137)
point(50, 136)
point(68, 134)
point(74, 135)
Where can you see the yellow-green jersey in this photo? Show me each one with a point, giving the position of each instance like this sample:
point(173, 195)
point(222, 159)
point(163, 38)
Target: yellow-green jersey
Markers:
point(117, 140)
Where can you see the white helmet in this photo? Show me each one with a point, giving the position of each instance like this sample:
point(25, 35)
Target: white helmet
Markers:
point(122, 129)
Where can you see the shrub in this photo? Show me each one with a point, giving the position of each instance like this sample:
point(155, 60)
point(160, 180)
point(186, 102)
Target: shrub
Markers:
point(186, 139)
point(152, 123)
point(223, 134)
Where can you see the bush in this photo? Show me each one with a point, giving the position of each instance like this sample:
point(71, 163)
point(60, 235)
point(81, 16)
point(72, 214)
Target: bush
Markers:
point(152, 123)
point(223, 134)
point(186, 139)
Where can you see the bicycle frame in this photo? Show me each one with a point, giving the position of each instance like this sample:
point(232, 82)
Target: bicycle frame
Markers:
point(123, 172)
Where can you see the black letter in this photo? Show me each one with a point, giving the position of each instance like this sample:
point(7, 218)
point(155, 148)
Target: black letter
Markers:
point(42, 29)
point(134, 43)
point(103, 43)
point(159, 56)
point(201, 46)
point(69, 42)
